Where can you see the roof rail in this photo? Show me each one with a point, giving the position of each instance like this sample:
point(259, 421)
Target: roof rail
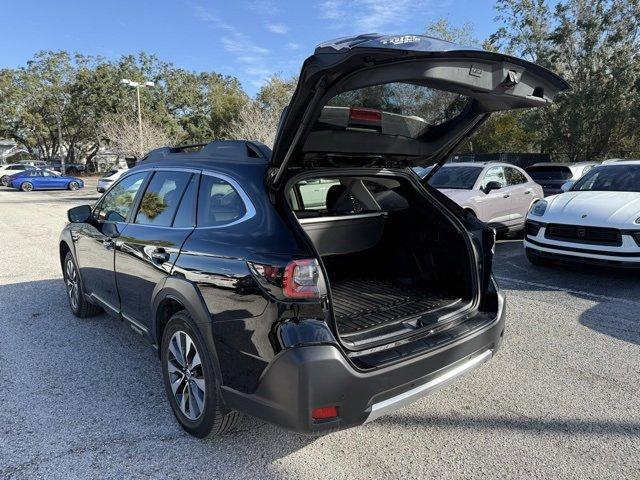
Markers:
point(226, 148)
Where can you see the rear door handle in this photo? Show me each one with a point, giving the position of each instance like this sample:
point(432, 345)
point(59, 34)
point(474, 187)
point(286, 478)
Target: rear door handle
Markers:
point(506, 195)
point(527, 192)
point(160, 256)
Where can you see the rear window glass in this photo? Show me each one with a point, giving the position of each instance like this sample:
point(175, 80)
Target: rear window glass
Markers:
point(407, 110)
point(550, 173)
point(218, 203)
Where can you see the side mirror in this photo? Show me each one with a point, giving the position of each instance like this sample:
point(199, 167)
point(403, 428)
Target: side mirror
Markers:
point(79, 214)
point(566, 186)
point(492, 186)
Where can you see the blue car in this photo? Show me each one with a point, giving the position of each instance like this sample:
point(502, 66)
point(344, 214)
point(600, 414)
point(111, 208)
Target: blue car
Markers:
point(44, 180)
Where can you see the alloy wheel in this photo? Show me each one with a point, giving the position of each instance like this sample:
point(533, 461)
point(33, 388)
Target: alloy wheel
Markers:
point(27, 187)
point(71, 279)
point(73, 186)
point(5, 181)
point(186, 376)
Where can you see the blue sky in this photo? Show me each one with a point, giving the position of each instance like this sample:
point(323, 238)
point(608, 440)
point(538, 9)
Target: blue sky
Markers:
point(249, 39)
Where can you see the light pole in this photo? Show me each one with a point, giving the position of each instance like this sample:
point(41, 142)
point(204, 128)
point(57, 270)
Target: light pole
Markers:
point(137, 86)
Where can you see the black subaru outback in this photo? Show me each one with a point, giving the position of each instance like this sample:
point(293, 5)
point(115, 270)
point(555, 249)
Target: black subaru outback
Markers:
point(321, 285)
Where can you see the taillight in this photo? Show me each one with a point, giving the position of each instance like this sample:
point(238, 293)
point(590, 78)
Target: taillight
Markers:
point(301, 279)
point(324, 413)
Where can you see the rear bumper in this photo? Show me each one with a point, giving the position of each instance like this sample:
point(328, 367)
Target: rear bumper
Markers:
point(304, 378)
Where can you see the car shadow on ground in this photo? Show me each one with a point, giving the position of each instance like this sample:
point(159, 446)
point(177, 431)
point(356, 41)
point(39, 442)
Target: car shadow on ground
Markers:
point(615, 291)
point(96, 375)
point(557, 425)
point(52, 196)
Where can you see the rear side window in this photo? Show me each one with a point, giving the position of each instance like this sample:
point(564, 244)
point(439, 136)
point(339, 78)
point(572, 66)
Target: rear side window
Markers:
point(219, 203)
point(514, 176)
point(117, 202)
point(161, 198)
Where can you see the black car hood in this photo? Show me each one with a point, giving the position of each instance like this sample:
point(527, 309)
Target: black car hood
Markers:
point(490, 80)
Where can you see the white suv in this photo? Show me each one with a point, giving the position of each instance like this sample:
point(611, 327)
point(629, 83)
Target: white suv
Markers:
point(108, 178)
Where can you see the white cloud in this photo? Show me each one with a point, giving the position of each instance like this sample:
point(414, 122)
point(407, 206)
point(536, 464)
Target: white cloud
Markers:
point(234, 40)
point(252, 62)
point(368, 16)
point(277, 28)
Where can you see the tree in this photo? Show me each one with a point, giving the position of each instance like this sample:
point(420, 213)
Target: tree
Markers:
point(258, 119)
point(74, 96)
point(463, 35)
point(123, 137)
point(594, 45)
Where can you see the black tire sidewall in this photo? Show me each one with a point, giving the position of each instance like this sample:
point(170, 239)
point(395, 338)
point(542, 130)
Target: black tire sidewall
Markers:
point(76, 311)
point(202, 426)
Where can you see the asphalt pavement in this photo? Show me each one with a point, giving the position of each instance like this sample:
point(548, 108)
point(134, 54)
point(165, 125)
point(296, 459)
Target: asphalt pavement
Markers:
point(83, 398)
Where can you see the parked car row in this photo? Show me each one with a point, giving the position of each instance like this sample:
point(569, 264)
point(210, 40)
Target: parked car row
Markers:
point(596, 220)
point(33, 178)
point(585, 212)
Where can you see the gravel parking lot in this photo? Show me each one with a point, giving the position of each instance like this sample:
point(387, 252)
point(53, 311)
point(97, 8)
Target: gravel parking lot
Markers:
point(84, 398)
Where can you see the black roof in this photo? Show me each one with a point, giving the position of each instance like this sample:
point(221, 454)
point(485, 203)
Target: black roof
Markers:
point(218, 150)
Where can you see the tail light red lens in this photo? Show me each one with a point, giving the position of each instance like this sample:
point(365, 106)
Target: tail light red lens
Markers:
point(301, 279)
point(324, 413)
point(360, 114)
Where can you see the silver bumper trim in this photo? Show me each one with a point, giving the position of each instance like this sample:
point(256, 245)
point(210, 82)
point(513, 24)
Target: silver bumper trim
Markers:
point(386, 406)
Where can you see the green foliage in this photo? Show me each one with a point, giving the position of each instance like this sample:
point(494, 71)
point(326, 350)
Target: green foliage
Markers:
point(594, 44)
point(78, 93)
point(19, 157)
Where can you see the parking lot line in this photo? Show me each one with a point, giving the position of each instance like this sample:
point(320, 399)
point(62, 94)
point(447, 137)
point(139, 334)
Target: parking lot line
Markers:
point(569, 290)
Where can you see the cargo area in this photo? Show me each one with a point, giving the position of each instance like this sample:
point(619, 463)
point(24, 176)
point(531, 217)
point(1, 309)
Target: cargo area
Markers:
point(395, 264)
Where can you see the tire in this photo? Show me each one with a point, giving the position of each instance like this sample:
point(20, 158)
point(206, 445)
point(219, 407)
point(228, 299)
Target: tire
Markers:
point(73, 186)
point(79, 305)
point(196, 381)
point(4, 181)
point(535, 259)
point(26, 187)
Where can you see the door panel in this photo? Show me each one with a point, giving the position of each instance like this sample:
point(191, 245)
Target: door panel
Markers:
point(522, 193)
point(97, 240)
point(144, 257)
point(148, 247)
point(495, 206)
point(94, 251)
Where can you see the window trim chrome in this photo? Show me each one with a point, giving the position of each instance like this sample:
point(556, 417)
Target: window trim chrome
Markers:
point(250, 210)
